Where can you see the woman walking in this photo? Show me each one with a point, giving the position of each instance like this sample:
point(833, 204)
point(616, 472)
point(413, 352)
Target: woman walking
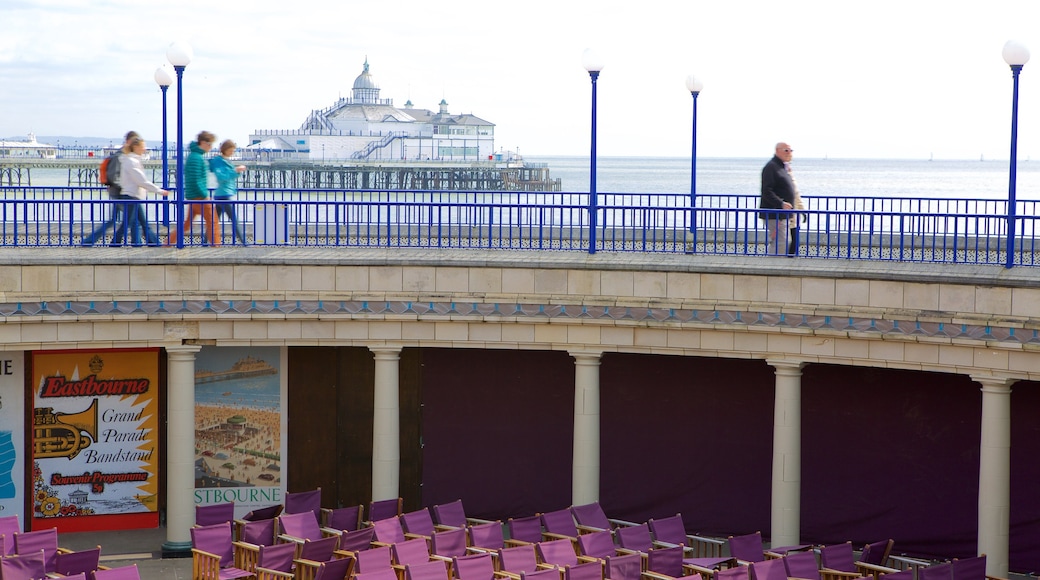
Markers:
point(227, 186)
point(134, 185)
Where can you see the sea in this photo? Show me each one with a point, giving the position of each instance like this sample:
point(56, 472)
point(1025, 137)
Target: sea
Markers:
point(924, 178)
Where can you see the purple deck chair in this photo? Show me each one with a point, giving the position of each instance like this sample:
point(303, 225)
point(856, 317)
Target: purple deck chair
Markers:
point(319, 550)
point(734, 573)
point(276, 558)
point(942, 571)
point(773, 569)
point(264, 513)
point(259, 532)
point(559, 553)
point(451, 514)
point(121, 573)
point(212, 553)
point(335, 569)
point(747, 548)
point(9, 526)
point(559, 524)
point(597, 544)
point(586, 571)
point(877, 552)
point(541, 574)
point(802, 565)
point(418, 523)
point(666, 561)
point(207, 515)
point(487, 536)
point(627, 567)
point(473, 567)
point(31, 542)
point(384, 508)
point(299, 526)
point(304, 501)
point(389, 531)
point(590, 517)
point(448, 543)
point(518, 559)
point(429, 570)
point(704, 552)
point(387, 574)
point(24, 566)
point(527, 530)
point(83, 561)
point(838, 557)
point(415, 551)
point(343, 519)
point(377, 558)
point(635, 538)
point(970, 568)
point(357, 540)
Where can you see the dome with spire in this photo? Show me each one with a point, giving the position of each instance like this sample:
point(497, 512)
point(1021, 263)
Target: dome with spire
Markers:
point(366, 90)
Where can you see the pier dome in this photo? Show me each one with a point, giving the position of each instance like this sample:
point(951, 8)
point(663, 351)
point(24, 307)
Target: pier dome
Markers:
point(366, 89)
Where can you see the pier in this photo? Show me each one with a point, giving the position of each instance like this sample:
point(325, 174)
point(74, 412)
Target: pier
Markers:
point(283, 174)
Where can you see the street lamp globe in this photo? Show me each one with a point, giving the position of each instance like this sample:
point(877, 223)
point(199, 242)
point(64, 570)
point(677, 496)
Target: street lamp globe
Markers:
point(694, 84)
point(1015, 53)
point(179, 53)
point(591, 61)
point(163, 78)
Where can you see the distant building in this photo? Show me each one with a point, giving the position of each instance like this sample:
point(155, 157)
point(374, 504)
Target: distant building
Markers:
point(30, 149)
point(367, 128)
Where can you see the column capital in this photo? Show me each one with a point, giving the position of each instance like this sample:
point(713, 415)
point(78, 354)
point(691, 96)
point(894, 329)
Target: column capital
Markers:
point(788, 365)
point(385, 351)
point(994, 384)
point(178, 348)
point(586, 356)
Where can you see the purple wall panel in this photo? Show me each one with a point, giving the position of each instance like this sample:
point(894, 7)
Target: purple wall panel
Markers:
point(497, 430)
point(1025, 476)
point(687, 435)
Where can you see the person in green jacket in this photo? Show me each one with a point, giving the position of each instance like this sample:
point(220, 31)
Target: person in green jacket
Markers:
point(227, 186)
point(196, 189)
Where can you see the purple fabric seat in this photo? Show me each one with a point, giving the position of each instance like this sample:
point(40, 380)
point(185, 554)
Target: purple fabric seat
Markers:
point(408, 552)
point(597, 544)
point(377, 558)
point(264, 513)
point(560, 523)
point(24, 566)
point(591, 515)
point(387, 574)
point(545, 574)
point(518, 559)
point(31, 542)
point(299, 526)
point(207, 515)
point(876, 552)
point(213, 553)
point(357, 540)
point(747, 547)
point(473, 567)
point(558, 553)
point(304, 501)
point(9, 526)
point(802, 565)
point(319, 550)
point(419, 522)
point(525, 530)
point(343, 519)
point(277, 557)
point(486, 536)
point(773, 569)
point(121, 573)
point(586, 571)
point(734, 573)
point(335, 569)
point(970, 568)
point(85, 561)
point(384, 508)
point(429, 570)
point(449, 543)
point(627, 567)
point(667, 561)
point(942, 571)
point(258, 532)
point(838, 557)
point(389, 531)
point(907, 574)
point(671, 529)
point(635, 538)
point(450, 514)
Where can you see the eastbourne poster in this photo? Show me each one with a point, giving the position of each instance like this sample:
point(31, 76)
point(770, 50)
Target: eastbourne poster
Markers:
point(239, 426)
point(12, 434)
point(95, 439)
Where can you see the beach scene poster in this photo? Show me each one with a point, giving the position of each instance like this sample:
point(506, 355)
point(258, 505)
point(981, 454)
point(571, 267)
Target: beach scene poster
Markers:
point(239, 426)
point(95, 439)
point(12, 434)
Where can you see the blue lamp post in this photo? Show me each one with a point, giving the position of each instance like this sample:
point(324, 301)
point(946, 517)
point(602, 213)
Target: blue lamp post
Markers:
point(164, 80)
point(1016, 55)
point(590, 60)
point(694, 85)
point(179, 54)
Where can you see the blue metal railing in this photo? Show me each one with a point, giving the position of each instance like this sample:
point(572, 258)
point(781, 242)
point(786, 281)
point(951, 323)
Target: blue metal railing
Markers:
point(900, 229)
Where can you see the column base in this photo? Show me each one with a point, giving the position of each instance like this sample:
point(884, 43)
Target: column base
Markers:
point(176, 550)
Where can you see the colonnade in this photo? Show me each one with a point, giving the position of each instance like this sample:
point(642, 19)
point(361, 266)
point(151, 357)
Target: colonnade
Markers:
point(994, 461)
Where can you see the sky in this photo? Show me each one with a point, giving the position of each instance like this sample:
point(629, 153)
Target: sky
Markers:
point(880, 79)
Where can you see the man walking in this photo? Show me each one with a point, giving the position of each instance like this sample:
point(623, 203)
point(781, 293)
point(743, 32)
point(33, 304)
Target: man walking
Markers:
point(112, 171)
point(778, 193)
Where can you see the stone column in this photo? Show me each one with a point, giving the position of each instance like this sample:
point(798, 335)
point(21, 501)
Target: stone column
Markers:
point(386, 424)
point(785, 511)
point(180, 449)
point(585, 479)
point(995, 474)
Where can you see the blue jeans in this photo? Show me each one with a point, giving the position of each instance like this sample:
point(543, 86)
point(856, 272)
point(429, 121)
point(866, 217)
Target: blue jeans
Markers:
point(135, 222)
point(113, 218)
point(224, 206)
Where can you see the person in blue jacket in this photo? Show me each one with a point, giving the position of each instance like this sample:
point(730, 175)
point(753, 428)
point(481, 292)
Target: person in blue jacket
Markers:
point(227, 186)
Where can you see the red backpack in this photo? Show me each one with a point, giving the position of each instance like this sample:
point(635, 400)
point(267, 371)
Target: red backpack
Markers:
point(103, 171)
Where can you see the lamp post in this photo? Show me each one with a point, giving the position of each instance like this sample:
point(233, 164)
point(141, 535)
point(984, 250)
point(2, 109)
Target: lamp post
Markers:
point(164, 80)
point(1016, 55)
point(590, 60)
point(179, 54)
point(694, 85)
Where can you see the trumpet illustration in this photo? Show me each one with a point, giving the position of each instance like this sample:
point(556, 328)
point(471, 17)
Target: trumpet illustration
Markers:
point(63, 434)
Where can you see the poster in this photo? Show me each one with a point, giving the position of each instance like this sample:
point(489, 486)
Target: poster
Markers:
point(12, 435)
point(239, 426)
point(95, 441)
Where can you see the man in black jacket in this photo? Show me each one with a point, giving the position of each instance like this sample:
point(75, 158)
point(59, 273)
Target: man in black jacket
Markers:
point(777, 193)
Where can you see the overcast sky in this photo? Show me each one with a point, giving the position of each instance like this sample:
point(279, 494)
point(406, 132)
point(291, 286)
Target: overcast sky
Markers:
point(882, 79)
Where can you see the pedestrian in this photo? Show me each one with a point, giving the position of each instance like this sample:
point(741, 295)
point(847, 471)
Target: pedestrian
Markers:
point(797, 218)
point(196, 190)
point(113, 188)
point(135, 184)
point(777, 194)
point(227, 186)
